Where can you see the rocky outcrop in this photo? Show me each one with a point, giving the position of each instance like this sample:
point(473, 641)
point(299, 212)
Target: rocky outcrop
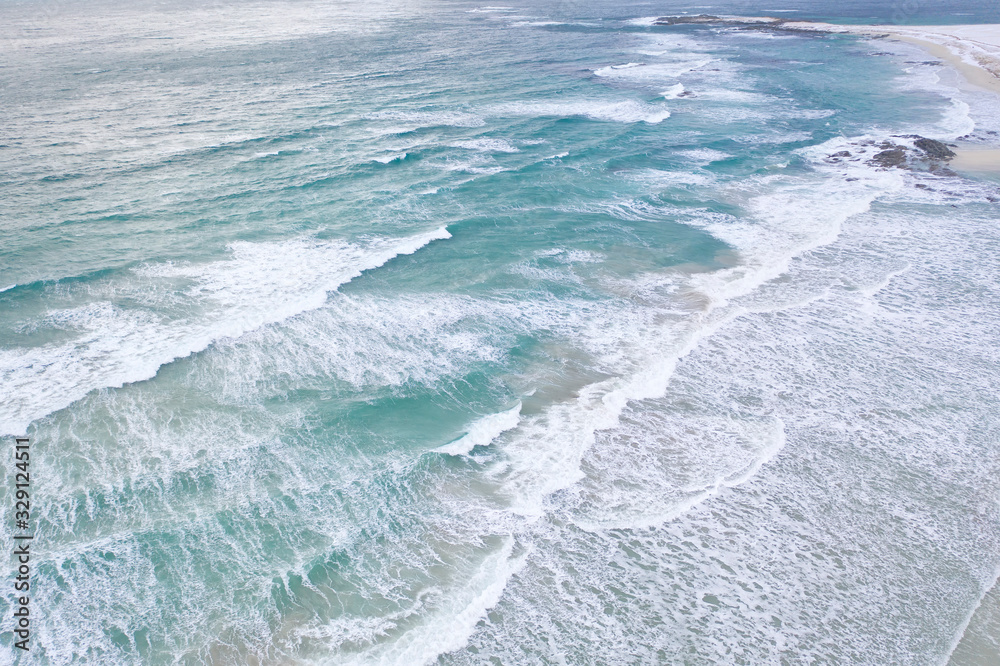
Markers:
point(678, 20)
point(700, 19)
point(934, 149)
point(918, 154)
point(911, 152)
point(893, 157)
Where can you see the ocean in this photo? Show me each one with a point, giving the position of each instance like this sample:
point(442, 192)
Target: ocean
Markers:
point(430, 332)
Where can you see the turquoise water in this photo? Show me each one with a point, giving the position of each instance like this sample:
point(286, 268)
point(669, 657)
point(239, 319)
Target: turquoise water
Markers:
point(440, 333)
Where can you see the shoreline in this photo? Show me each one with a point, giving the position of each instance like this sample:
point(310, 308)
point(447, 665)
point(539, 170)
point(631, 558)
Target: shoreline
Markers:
point(977, 639)
point(976, 75)
point(973, 50)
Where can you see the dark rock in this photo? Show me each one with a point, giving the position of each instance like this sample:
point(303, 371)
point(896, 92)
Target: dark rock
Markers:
point(939, 170)
point(890, 158)
point(700, 18)
point(752, 24)
point(843, 153)
point(934, 149)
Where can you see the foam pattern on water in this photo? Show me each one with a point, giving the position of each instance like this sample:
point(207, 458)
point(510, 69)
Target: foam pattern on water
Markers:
point(258, 285)
point(818, 547)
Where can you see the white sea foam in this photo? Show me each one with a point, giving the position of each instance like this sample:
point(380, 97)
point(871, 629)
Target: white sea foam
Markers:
point(956, 121)
point(392, 157)
point(957, 118)
point(449, 627)
point(672, 463)
point(196, 27)
point(416, 119)
point(748, 97)
point(490, 10)
point(705, 155)
point(781, 137)
point(659, 178)
point(622, 112)
point(261, 283)
point(673, 92)
point(795, 217)
point(487, 145)
point(605, 71)
point(788, 564)
point(651, 73)
point(788, 216)
point(539, 23)
point(483, 431)
point(960, 633)
point(479, 168)
point(581, 257)
point(870, 372)
point(565, 256)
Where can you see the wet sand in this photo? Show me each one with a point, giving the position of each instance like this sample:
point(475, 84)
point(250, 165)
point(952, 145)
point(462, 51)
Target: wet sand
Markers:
point(976, 160)
point(979, 643)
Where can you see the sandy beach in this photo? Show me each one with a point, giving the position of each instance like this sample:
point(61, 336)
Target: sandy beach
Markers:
point(973, 50)
point(976, 159)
